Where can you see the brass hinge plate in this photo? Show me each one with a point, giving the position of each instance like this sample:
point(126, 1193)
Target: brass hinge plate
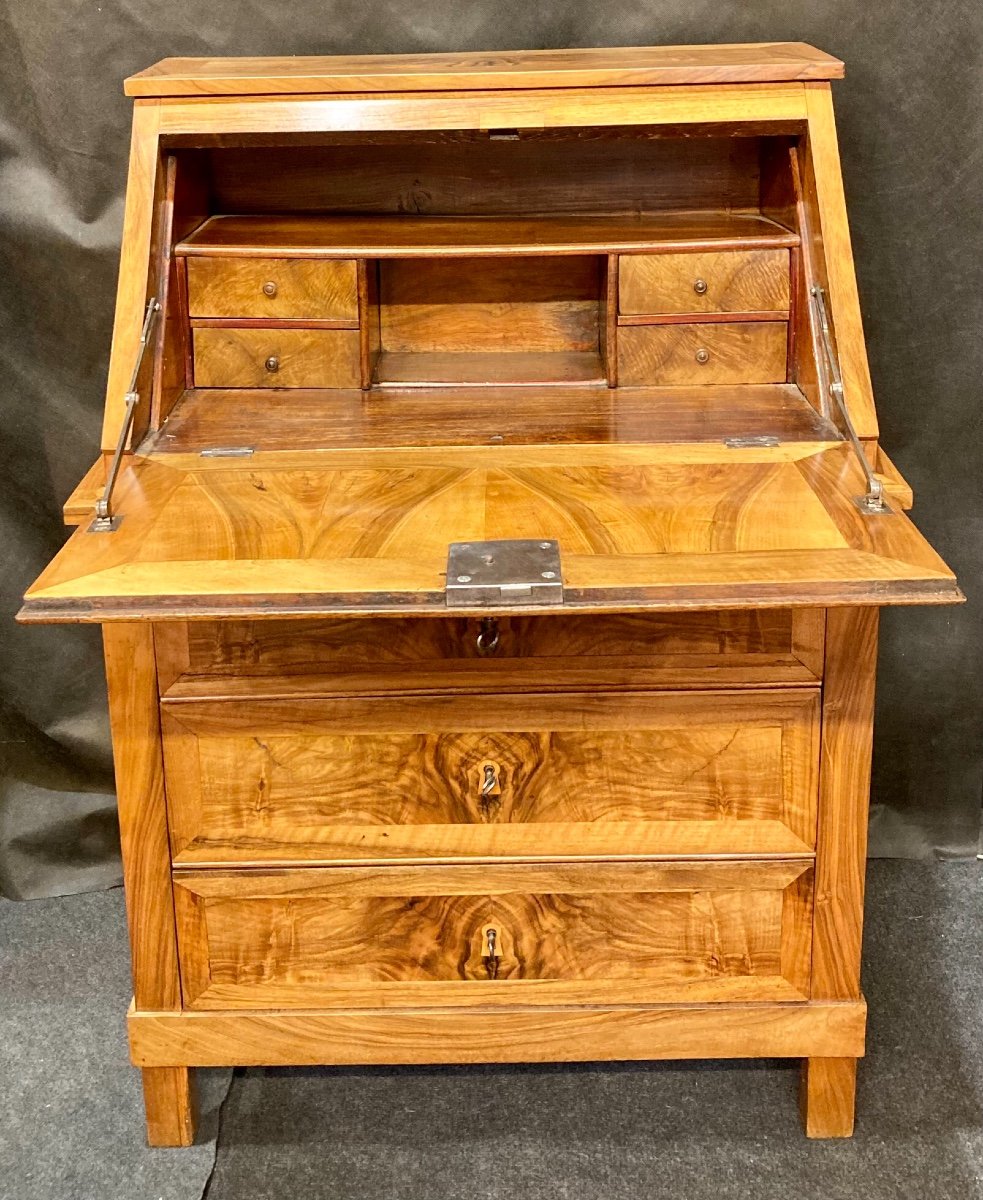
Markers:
point(520, 571)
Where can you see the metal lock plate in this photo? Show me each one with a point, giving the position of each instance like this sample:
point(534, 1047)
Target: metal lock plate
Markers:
point(517, 571)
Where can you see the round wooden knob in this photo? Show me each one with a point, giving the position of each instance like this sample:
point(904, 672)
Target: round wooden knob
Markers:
point(272, 363)
point(700, 287)
point(269, 288)
point(702, 356)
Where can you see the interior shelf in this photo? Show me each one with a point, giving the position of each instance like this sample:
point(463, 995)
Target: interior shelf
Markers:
point(294, 419)
point(409, 235)
point(449, 369)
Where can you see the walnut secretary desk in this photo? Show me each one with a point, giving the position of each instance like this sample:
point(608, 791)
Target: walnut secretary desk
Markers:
point(488, 539)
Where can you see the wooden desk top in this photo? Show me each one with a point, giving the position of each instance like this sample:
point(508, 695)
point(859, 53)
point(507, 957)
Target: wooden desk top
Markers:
point(752, 62)
point(366, 531)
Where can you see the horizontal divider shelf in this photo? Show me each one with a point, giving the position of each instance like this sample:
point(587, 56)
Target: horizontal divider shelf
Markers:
point(407, 235)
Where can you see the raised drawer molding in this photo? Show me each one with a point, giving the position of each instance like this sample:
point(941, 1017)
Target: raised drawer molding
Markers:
point(471, 936)
point(603, 298)
point(676, 774)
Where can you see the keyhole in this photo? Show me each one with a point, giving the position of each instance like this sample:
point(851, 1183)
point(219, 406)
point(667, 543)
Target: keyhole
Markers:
point(490, 782)
point(491, 957)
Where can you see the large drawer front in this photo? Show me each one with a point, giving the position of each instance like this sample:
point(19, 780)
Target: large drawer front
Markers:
point(623, 650)
point(500, 776)
point(273, 288)
point(611, 933)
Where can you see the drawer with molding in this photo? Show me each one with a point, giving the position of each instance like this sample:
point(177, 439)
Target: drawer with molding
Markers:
point(731, 352)
point(444, 778)
point(204, 659)
point(724, 281)
point(587, 933)
point(273, 288)
point(230, 357)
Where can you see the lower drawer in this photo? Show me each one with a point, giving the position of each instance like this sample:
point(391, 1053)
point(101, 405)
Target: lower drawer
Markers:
point(725, 353)
point(418, 936)
point(273, 357)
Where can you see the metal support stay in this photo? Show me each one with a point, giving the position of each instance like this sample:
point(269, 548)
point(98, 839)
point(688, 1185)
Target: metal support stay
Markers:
point(873, 500)
point(105, 521)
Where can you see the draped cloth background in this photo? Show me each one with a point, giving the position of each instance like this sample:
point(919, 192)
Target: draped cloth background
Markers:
point(910, 117)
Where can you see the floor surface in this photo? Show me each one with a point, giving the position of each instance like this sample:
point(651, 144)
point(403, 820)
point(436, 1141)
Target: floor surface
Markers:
point(595, 1132)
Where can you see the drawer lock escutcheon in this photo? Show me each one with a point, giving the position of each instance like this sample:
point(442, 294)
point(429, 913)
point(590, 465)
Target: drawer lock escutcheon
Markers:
point(492, 953)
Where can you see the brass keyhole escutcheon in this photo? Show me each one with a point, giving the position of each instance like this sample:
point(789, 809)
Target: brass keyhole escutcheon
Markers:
point(492, 953)
point(488, 636)
point(703, 356)
point(272, 363)
point(269, 288)
point(700, 287)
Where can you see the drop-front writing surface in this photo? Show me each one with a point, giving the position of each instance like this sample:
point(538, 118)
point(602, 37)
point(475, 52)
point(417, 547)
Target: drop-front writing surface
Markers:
point(604, 298)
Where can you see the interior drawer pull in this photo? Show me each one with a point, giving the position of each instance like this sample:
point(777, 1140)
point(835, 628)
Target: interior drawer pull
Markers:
point(700, 287)
point(269, 288)
point(703, 356)
point(272, 363)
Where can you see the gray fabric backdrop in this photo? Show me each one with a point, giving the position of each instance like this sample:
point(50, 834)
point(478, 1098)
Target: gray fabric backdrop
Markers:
point(911, 127)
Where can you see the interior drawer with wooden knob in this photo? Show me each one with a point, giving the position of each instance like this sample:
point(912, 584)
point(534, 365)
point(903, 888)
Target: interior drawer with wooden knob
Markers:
point(201, 659)
point(227, 357)
point(273, 288)
point(433, 779)
point(712, 353)
point(578, 934)
point(721, 281)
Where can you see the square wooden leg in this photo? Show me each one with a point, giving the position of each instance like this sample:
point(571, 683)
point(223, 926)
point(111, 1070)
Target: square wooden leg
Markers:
point(171, 1101)
point(827, 1093)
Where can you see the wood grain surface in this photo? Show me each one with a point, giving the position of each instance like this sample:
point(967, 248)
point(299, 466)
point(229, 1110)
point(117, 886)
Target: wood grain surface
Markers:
point(411, 235)
point(664, 527)
point(719, 353)
point(588, 933)
point(327, 779)
point(301, 289)
point(734, 281)
point(303, 419)
point(305, 358)
point(539, 305)
point(740, 62)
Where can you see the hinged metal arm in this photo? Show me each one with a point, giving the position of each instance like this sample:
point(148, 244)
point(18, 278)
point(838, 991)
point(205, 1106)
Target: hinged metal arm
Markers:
point(104, 521)
point(873, 500)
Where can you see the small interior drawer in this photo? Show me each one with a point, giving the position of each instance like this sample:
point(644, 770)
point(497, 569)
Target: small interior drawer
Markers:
point(714, 282)
point(585, 933)
point(489, 777)
point(286, 358)
point(718, 353)
point(274, 288)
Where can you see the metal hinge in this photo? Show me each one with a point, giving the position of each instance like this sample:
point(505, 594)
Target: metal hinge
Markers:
point(227, 452)
point(751, 441)
point(105, 521)
point(872, 502)
point(504, 572)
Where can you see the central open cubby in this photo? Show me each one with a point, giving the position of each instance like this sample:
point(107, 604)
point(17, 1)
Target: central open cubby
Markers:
point(502, 320)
